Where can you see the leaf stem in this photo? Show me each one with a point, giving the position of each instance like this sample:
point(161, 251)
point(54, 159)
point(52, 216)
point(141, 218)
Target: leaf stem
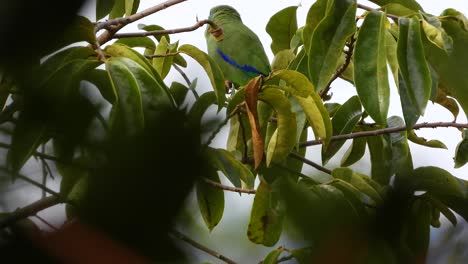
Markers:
point(201, 247)
point(388, 130)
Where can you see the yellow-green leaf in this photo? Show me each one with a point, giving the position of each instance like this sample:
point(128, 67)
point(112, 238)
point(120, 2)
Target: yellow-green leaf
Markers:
point(284, 138)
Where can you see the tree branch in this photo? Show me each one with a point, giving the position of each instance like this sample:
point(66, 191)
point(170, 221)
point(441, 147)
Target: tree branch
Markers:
point(388, 130)
point(349, 55)
point(29, 210)
point(309, 162)
point(115, 25)
point(201, 247)
point(229, 188)
point(368, 8)
point(165, 31)
point(161, 55)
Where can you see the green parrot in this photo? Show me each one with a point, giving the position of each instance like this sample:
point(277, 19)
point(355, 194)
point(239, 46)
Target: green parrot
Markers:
point(234, 47)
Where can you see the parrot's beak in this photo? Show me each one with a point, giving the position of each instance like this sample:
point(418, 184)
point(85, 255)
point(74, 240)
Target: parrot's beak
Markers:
point(217, 32)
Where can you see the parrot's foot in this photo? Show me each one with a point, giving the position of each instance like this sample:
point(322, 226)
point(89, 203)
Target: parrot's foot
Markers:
point(229, 86)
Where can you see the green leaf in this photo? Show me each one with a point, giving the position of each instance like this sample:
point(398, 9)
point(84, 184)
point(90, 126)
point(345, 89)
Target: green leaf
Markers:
point(163, 64)
point(413, 66)
point(28, 134)
point(410, 4)
point(119, 50)
point(82, 29)
point(439, 183)
point(318, 117)
point(179, 92)
point(398, 10)
point(212, 70)
point(401, 153)
point(461, 152)
point(297, 83)
point(381, 158)
point(282, 60)
point(233, 169)
point(424, 142)
point(357, 180)
point(281, 27)
point(272, 257)
point(103, 8)
point(118, 10)
point(200, 106)
point(451, 68)
point(296, 40)
point(442, 208)
point(315, 14)
point(210, 200)
point(370, 67)
point(302, 255)
point(343, 122)
point(328, 41)
point(154, 28)
point(355, 152)
point(447, 102)
point(418, 229)
point(300, 64)
point(101, 80)
point(410, 111)
point(391, 51)
point(128, 7)
point(266, 217)
point(127, 116)
point(142, 42)
point(284, 138)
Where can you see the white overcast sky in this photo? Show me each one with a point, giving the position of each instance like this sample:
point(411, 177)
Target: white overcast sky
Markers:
point(255, 15)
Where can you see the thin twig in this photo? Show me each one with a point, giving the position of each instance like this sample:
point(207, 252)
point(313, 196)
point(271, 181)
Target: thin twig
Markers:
point(29, 210)
point(44, 171)
point(201, 247)
point(216, 131)
point(309, 162)
point(165, 31)
point(343, 67)
point(229, 188)
point(368, 8)
point(115, 25)
point(46, 222)
point(38, 185)
point(187, 80)
point(384, 131)
point(182, 73)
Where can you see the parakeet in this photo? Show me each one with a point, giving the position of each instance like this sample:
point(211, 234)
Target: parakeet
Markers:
point(238, 51)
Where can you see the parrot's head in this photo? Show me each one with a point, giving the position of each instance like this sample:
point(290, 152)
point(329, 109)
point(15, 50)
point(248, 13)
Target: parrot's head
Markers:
point(223, 12)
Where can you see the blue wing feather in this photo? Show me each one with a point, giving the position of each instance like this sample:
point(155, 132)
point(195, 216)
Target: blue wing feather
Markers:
point(248, 69)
